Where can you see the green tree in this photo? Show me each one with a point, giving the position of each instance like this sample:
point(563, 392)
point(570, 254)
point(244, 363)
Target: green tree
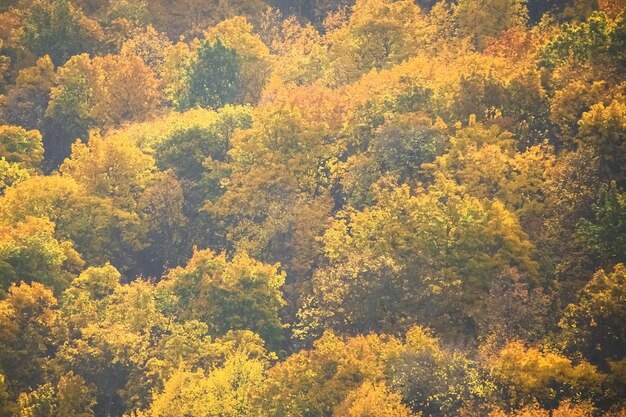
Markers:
point(604, 233)
point(214, 76)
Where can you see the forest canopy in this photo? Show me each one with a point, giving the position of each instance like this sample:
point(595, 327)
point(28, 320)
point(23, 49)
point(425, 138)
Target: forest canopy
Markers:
point(312, 208)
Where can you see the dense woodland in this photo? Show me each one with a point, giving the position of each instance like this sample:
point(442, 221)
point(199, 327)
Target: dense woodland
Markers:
point(309, 208)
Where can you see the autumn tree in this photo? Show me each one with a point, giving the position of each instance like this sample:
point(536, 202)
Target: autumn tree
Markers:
point(488, 19)
point(594, 324)
point(383, 263)
point(110, 168)
point(29, 252)
point(26, 101)
point(230, 295)
point(378, 34)
point(28, 322)
point(86, 220)
point(58, 29)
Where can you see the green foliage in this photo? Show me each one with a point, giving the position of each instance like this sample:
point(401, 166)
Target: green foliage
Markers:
point(581, 41)
point(605, 231)
point(214, 77)
point(188, 149)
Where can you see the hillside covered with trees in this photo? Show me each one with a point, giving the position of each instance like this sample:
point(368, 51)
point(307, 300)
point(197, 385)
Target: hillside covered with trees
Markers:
point(312, 208)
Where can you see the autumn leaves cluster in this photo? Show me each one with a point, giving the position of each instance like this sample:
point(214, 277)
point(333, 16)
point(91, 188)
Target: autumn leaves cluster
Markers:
point(372, 208)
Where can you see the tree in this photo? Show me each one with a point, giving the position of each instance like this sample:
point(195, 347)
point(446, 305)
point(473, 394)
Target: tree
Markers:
point(110, 168)
point(313, 382)
point(99, 92)
point(594, 323)
point(604, 233)
point(403, 145)
point(26, 101)
point(188, 147)
point(581, 42)
point(603, 128)
point(28, 323)
point(214, 76)
point(149, 45)
point(17, 145)
point(126, 89)
point(425, 255)
point(70, 110)
point(228, 391)
point(530, 375)
point(58, 29)
point(21, 153)
point(431, 379)
point(71, 397)
point(30, 253)
point(371, 400)
point(11, 174)
point(378, 34)
point(230, 295)
point(161, 208)
point(480, 19)
point(278, 168)
point(90, 222)
point(252, 54)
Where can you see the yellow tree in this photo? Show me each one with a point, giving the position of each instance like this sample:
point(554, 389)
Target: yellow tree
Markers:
point(482, 19)
point(378, 34)
point(126, 89)
point(278, 167)
point(372, 400)
point(529, 375)
point(110, 168)
point(90, 222)
point(29, 252)
point(28, 321)
point(230, 295)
